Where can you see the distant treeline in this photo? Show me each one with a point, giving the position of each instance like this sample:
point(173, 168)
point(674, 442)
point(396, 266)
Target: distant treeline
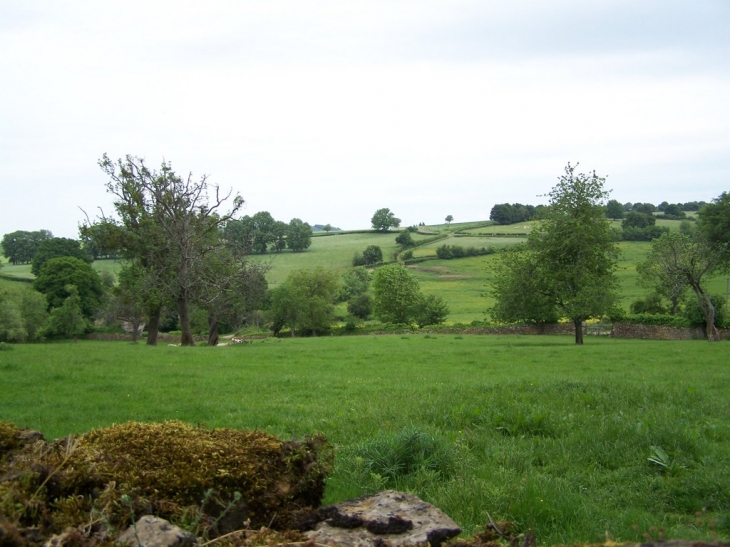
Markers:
point(506, 213)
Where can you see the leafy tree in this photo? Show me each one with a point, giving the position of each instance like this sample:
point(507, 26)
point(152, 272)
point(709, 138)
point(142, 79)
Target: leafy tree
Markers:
point(714, 225)
point(327, 228)
point(449, 219)
point(518, 291)
point(263, 230)
point(372, 255)
point(636, 219)
point(360, 306)
point(404, 239)
point(280, 233)
point(304, 302)
point(651, 304)
point(572, 258)
point(614, 210)
point(430, 310)
point(396, 294)
point(12, 328)
point(663, 282)
point(646, 208)
point(504, 213)
point(68, 320)
point(240, 233)
point(57, 274)
point(232, 287)
point(696, 315)
point(353, 282)
point(674, 211)
point(56, 247)
point(299, 235)
point(383, 220)
point(33, 311)
point(681, 260)
point(169, 224)
point(20, 246)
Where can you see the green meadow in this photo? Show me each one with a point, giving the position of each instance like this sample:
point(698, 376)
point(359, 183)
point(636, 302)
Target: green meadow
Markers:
point(625, 439)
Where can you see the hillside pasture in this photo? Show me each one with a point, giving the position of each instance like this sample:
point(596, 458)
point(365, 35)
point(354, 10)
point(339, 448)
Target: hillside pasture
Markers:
point(616, 438)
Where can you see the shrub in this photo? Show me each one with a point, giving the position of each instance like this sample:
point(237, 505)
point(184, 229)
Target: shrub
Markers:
point(696, 317)
point(398, 455)
point(372, 255)
point(360, 306)
point(407, 255)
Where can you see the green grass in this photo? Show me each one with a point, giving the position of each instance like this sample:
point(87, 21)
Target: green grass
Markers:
point(330, 252)
point(534, 430)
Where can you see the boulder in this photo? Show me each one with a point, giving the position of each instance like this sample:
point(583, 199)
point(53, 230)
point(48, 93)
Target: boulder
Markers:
point(387, 518)
point(150, 531)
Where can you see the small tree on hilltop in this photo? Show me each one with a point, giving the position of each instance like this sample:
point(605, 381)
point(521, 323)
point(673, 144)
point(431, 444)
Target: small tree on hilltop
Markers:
point(449, 219)
point(372, 255)
point(384, 219)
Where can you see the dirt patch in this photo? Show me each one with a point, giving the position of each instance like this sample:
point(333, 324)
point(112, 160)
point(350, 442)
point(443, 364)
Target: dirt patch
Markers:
point(432, 269)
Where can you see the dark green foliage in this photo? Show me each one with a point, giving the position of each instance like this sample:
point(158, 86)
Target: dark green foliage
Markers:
point(632, 233)
point(395, 456)
point(651, 304)
point(714, 224)
point(569, 267)
point(68, 320)
point(696, 315)
point(372, 255)
point(353, 283)
point(448, 252)
point(57, 247)
point(658, 319)
point(20, 246)
point(396, 294)
point(58, 273)
point(407, 255)
point(304, 302)
point(674, 212)
point(614, 210)
point(299, 235)
point(22, 316)
point(636, 219)
point(360, 306)
point(504, 213)
point(404, 239)
point(431, 310)
point(383, 220)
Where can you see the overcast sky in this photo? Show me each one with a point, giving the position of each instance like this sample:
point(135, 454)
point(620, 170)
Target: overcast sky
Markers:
point(329, 110)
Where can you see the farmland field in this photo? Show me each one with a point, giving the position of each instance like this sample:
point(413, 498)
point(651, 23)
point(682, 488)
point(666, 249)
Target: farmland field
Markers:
point(617, 437)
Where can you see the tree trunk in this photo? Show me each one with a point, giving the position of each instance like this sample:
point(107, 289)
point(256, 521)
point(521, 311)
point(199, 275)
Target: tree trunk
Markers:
point(154, 325)
point(186, 338)
point(578, 324)
point(706, 305)
point(212, 330)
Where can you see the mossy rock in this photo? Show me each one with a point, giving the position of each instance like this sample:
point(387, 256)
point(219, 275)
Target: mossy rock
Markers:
point(208, 481)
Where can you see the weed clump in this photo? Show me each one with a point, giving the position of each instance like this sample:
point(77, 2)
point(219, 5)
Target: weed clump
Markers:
point(210, 482)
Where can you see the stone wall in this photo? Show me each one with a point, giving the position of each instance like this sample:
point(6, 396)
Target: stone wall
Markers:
point(658, 332)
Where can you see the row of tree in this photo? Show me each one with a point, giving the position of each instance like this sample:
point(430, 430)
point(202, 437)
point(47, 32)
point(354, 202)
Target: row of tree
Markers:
point(567, 269)
point(305, 301)
point(261, 233)
point(505, 213)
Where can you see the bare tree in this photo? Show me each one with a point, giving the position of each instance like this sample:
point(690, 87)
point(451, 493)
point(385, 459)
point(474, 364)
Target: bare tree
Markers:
point(168, 224)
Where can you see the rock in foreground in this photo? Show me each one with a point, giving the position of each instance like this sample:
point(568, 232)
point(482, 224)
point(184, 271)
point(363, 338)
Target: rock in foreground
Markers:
point(387, 518)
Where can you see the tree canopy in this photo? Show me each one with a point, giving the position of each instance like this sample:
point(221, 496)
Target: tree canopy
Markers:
point(57, 247)
point(168, 224)
point(383, 220)
point(570, 262)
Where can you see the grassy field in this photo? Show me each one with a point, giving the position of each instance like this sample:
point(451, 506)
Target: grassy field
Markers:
point(617, 437)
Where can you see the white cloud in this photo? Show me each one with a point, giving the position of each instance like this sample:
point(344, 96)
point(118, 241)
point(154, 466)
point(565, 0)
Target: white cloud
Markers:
point(329, 110)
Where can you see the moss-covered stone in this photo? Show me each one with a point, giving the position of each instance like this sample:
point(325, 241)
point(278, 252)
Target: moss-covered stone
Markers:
point(207, 481)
